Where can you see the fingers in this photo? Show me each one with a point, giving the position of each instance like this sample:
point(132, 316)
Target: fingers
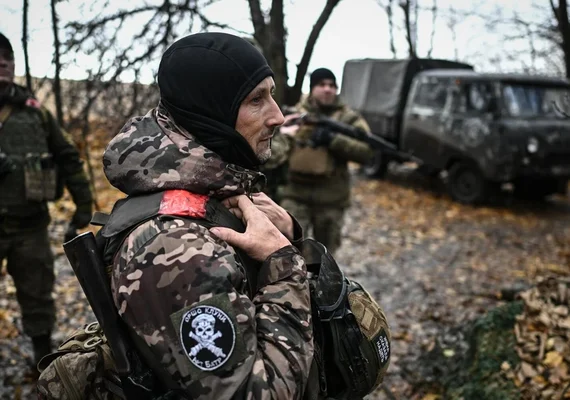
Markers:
point(236, 212)
point(244, 205)
point(261, 199)
point(229, 235)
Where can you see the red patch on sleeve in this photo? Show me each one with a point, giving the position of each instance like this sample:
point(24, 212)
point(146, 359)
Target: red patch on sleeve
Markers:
point(183, 203)
point(31, 102)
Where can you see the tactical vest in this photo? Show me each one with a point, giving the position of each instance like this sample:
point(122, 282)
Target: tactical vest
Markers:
point(24, 138)
point(309, 165)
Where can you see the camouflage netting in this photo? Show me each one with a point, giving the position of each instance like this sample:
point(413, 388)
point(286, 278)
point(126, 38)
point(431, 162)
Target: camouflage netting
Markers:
point(491, 344)
point(520, 350)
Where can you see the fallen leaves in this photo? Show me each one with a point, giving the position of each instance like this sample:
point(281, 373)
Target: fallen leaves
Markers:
point(542, 332)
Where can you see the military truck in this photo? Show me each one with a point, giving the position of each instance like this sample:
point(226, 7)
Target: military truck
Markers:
point(478, 131)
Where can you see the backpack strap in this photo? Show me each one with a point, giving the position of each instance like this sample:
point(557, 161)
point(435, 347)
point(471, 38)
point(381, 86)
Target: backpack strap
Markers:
point(133, 211)
point(130, 213)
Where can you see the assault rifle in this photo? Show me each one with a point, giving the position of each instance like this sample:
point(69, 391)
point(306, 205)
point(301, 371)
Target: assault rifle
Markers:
point(138, 381)
point(330, 124)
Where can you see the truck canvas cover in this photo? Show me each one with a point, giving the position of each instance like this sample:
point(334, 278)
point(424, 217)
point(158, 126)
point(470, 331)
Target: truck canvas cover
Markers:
point(378, 88)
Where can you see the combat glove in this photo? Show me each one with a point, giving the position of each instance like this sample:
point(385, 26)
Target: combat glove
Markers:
point(321, 137)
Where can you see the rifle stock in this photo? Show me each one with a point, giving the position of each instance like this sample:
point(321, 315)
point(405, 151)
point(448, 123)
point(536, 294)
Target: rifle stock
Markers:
point(89, 269)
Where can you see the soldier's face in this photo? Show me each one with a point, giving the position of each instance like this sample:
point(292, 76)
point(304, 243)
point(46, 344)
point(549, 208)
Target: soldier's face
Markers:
point(258, 118)
point(6, 66)
point(325, 92)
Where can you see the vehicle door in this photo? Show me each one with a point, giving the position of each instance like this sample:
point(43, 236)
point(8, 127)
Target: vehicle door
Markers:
point(421, 133)
point(467, 122)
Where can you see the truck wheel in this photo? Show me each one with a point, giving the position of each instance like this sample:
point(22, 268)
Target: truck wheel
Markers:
point(376, 167)
point(538, 189)
point(466, 184)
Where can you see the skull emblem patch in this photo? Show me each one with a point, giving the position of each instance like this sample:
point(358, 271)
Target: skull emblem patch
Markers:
point(208, 337)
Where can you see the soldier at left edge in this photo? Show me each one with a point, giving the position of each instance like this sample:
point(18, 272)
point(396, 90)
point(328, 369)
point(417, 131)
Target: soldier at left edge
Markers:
point(37, 160)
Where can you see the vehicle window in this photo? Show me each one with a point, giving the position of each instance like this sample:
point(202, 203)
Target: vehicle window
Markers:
point(478, 96)
point(431, 94)
point(533, 101)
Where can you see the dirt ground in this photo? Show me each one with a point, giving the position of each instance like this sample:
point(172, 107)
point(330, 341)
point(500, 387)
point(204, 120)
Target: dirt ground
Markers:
point(434, 265)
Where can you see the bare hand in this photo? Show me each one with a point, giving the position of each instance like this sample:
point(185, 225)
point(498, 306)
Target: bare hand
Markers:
point(288, 129)
point(260, 239)
point(276, 214)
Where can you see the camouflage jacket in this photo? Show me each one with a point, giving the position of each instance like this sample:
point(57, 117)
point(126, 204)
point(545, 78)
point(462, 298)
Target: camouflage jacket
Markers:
point(30, 128)
point(333, 190)
point(179, 287)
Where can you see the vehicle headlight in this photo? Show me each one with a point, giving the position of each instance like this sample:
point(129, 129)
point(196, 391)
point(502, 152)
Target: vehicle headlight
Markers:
point(532, 145)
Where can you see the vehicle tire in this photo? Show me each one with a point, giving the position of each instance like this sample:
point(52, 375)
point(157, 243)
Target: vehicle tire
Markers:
point(428, 171)
point(376, 167)
point(536, 189)
point(466, 184)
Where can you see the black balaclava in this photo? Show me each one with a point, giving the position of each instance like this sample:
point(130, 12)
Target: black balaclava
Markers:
point(5, 44)
point(320, 74)
point(203, 78)
point(9, 95)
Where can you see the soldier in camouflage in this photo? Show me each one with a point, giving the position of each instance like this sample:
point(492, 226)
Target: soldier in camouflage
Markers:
point(179, 285)
point(318, 187)
point(36, 160)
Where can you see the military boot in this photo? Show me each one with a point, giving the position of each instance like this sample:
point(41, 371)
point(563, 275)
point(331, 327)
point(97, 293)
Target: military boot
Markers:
point(42, 347)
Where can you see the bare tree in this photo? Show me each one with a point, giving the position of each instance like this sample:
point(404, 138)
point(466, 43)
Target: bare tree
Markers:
point(451, 23)
point(271, 35)
point(108, 38)
point(25, 45)
point(390, 14)
point(433, 25)
point(562, 26)
point(57, 63)
point(406, 22)
point(409, 23)
point(543, 35)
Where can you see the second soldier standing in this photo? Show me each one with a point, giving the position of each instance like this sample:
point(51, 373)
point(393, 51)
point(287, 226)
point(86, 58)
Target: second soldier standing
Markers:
point(318, 188)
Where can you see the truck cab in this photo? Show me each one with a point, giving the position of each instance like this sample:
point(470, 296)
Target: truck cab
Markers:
point(481, 130)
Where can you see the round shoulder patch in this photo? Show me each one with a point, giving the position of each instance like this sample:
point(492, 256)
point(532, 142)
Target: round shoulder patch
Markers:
point(208, 337)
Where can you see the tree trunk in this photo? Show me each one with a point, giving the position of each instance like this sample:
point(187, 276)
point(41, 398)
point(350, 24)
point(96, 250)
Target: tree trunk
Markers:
point(561, 14)
point(295, 92)
point(57, 63)
point(25, 45)
point(390, 14)
point(433, 22)
point(271, 37)
point(277, 39)
point(406, 6)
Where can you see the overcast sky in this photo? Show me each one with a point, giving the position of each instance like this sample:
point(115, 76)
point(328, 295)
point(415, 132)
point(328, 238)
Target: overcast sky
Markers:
point(356, 29)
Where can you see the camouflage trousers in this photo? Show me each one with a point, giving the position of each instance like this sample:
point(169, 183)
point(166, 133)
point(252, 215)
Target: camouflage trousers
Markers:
point(30, 263)
point(326, 222)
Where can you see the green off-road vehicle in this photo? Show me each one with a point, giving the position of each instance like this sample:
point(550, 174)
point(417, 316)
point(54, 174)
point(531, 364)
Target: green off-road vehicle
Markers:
point(478, 130)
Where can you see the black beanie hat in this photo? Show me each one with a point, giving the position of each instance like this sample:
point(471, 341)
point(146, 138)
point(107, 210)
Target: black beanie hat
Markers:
point(203, 79)
point(5, 43)
point(321, 74)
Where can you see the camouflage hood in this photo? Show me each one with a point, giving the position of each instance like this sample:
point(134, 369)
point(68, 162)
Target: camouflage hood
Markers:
point(151, 153)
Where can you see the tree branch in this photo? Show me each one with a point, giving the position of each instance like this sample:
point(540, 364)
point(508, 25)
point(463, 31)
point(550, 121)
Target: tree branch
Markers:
point(310, 45)
point(432, 34)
